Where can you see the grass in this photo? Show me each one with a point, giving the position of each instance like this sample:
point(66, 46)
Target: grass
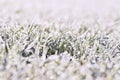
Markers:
point(57, 48)
point(54, 55)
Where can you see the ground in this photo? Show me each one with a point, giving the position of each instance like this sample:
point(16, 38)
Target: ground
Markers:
point(59, 40)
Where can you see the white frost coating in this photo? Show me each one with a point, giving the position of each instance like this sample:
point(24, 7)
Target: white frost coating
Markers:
point(87, 28)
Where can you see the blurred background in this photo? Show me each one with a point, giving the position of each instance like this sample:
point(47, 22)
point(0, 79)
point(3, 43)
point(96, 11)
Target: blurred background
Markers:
point(104, 12)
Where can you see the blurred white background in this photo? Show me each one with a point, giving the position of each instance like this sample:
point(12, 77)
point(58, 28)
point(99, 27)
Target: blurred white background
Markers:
point(106, 12)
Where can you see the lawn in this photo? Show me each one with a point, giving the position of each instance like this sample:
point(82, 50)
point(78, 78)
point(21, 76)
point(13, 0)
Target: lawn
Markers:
point(59, 40)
